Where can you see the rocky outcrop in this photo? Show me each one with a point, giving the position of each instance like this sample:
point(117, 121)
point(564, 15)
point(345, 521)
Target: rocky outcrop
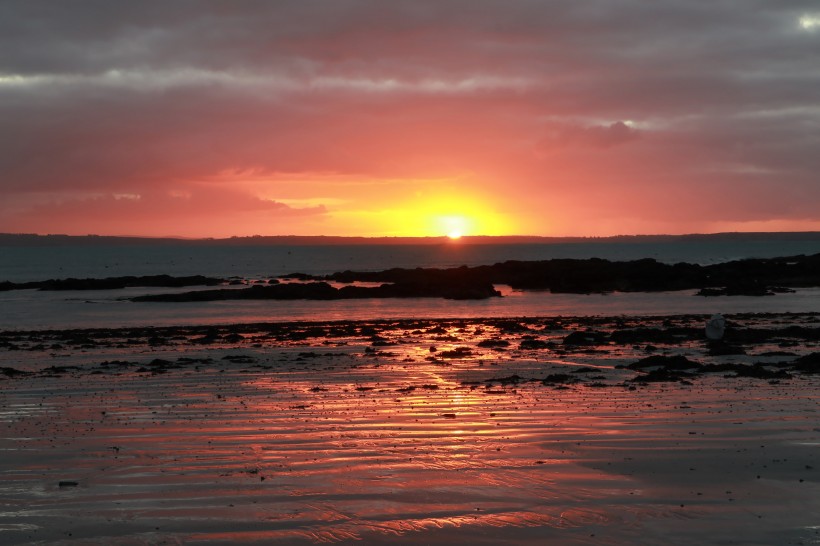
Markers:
point(324, 291)
point(740, 277)
point(113, 283)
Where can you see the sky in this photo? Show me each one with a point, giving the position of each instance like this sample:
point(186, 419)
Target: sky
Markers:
point(409, 118)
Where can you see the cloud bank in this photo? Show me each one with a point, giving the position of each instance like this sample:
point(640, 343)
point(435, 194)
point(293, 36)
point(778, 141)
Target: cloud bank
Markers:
point(211, 118)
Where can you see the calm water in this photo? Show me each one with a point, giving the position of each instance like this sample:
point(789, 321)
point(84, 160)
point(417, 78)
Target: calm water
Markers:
point(41, 263)
point(31, 309)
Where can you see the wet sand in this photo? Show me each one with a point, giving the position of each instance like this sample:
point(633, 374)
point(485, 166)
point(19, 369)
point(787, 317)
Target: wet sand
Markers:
point(411, 432)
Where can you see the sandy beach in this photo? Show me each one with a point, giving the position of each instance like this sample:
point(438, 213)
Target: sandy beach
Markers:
point(513, 431)
point(414, 273)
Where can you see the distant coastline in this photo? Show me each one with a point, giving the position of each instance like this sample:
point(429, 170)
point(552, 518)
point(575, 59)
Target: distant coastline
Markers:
point(28, 239)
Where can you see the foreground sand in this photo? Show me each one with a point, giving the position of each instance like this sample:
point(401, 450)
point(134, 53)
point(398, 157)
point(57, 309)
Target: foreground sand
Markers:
point(359, 432)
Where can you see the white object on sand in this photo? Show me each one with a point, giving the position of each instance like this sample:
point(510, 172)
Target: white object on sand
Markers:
point(716, 327)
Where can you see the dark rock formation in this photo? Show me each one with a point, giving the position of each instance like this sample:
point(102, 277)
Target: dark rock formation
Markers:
point(585, 338)
point(749, 277)
point(808, 364)
point(113, 283)
point(324, 291)
point(672, 363)
point(530, 343)
point(559, 379)
point(663, 375)
point(493, 343)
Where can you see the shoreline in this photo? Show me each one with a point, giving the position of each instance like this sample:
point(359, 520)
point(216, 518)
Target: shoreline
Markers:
point(759, 340)
point(408, 431)
point(400, 432)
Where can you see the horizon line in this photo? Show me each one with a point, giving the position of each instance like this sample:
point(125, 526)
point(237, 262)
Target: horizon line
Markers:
point(461, 239)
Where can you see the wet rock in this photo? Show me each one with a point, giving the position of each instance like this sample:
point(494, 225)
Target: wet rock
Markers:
point(493, 343)
point(240, 359)
point(559, 379)
point(532, 343)
point(809, 364)
point(663, 375)
point(59, 370)
point(671, 363)
point(778, 353)
point(752, 276)
point(13, 372)
point(324, 291)
point(508, 380)
point(458, 352)
point(585, 338)
point(298, 277)
point(115, 283)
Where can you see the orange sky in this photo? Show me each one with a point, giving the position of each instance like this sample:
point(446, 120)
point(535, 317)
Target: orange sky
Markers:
point(421, 118)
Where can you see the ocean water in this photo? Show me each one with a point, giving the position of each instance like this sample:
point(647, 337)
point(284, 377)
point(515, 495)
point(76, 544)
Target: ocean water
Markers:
point(46, 262)
point(29, 309)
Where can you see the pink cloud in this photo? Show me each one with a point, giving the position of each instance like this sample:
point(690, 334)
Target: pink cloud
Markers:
point(521, 100)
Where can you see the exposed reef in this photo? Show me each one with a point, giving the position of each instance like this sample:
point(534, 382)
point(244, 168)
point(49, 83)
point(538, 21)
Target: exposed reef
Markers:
point(748, 277)
point(324, 291)
point(113, 283)
point(613, 350)
point(740, 277)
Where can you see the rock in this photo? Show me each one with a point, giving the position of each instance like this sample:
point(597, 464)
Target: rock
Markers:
point(458, 352)
point(559, 379)
point(716, 327)
point(12, 372)
point(671, 363)
point(808, 364)
point(531, 343)
point(324, 291)
point(508, 380)
point(585, 338)
point(662, 375)
point(493, 343)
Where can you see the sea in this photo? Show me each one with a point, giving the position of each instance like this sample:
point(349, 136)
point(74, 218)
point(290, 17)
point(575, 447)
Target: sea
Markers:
point(34, 310)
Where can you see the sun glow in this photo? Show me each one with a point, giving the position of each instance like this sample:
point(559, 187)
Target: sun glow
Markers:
point(453, 214)
point(455, 226)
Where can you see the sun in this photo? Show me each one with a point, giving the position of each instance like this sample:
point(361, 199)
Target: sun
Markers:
point(454, 225)
point(444, 214)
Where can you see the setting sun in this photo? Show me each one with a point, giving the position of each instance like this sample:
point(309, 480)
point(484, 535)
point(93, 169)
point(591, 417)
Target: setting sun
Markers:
point(456, 225)
point(453, 214)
